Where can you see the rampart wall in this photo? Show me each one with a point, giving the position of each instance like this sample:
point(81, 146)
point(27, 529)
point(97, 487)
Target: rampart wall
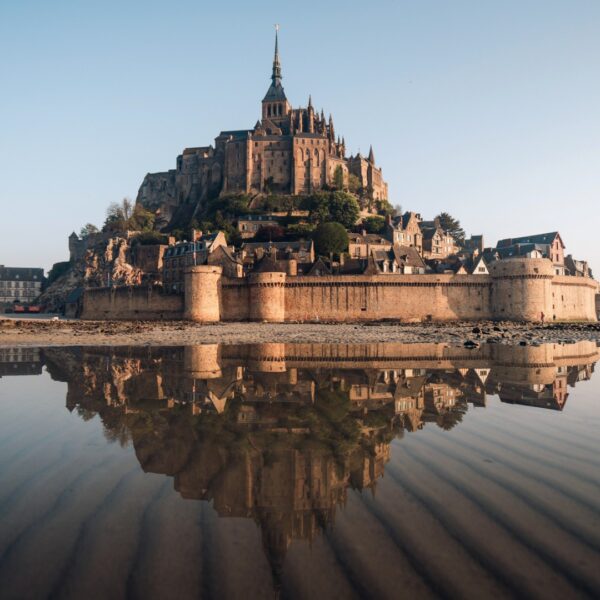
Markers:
point(130, 303)
point(517, 289)
point(404, 297)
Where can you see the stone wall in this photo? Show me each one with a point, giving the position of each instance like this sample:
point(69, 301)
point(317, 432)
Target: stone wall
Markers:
point(516, 289)
point(403, 297)
point(130, 303)
point(573, 298)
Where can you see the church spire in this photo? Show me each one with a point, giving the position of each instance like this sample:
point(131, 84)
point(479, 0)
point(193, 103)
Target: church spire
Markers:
point(275, 92)
point(276, 76)
point(371, 155)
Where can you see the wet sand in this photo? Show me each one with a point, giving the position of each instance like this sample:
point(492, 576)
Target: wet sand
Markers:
point(45, 332)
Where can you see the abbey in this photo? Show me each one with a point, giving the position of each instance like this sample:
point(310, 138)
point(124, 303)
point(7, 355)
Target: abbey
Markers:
point(289, 151)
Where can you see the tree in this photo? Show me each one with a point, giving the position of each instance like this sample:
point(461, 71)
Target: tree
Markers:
point(339, 206)
point(354, 185)
point(118, 215)
point(338, 178)
point(452, 226)
point(299, 230)
point(344, 209)
point(374, 224)
point(330, 238)
point(141, 219)
point(87, 230)
point(150, 238)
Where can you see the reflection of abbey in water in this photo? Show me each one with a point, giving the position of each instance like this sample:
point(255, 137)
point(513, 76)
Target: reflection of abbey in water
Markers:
point(279, 432)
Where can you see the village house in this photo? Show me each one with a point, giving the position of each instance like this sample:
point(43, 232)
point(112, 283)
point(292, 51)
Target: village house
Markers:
point(474, 244)
point(291, 256)
point(184, 254)
point(577, 268)
point(361, 245)
point(437, 243)
point(408, 260)
point(400, 259)
point(549, 245)
point(249, 225)
point(405, 230)
point(20, 284)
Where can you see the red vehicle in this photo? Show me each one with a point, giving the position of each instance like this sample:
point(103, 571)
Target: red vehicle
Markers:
point(34, 308)
point(19, 308)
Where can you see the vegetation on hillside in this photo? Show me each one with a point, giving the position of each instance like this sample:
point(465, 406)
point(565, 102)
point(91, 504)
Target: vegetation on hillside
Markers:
point(126, 216)
point(373, 224)
point(330, 238)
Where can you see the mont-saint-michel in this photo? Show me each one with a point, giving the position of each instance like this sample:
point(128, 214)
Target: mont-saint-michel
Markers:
point(277, 224)
point(299, 314)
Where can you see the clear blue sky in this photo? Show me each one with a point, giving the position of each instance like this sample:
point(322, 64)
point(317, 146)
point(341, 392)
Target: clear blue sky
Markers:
point(488, 110)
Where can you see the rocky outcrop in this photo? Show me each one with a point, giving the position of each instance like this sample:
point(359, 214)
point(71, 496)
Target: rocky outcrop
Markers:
point(158, 194)
point(107, 263)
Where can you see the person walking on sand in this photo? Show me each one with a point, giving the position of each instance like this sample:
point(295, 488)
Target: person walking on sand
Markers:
point(543, 315)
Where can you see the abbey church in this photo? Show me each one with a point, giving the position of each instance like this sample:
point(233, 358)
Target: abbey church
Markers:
point(289, 151)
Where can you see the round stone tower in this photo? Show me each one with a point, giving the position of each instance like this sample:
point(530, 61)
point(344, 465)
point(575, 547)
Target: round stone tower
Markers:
point(202, 301)
point(522, 288)
point(267, 292)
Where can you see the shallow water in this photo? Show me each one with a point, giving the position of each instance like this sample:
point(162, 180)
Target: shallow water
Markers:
point(308, 470)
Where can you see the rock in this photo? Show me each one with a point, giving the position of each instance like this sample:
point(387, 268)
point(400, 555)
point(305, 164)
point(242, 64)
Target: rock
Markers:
point(523, 343)
point(470, 344)
point(476, 330)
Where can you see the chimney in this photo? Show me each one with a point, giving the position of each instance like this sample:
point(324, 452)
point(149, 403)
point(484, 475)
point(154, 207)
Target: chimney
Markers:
point(171, 240)
point(292, 267)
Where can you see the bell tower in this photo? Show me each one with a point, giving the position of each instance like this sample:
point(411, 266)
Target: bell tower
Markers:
point(275, 106)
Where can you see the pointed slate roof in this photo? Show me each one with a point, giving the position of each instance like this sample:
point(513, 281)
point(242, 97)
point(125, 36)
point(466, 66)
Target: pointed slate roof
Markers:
point(275, 91)
point(268, 265)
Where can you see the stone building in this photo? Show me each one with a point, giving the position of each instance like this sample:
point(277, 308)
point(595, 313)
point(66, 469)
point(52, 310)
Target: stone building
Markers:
point(549, 245)
point(405, 230)
point(361, 245)
point(180, 256)
point(288, 151)
point(20, 284)
point(437, 243)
